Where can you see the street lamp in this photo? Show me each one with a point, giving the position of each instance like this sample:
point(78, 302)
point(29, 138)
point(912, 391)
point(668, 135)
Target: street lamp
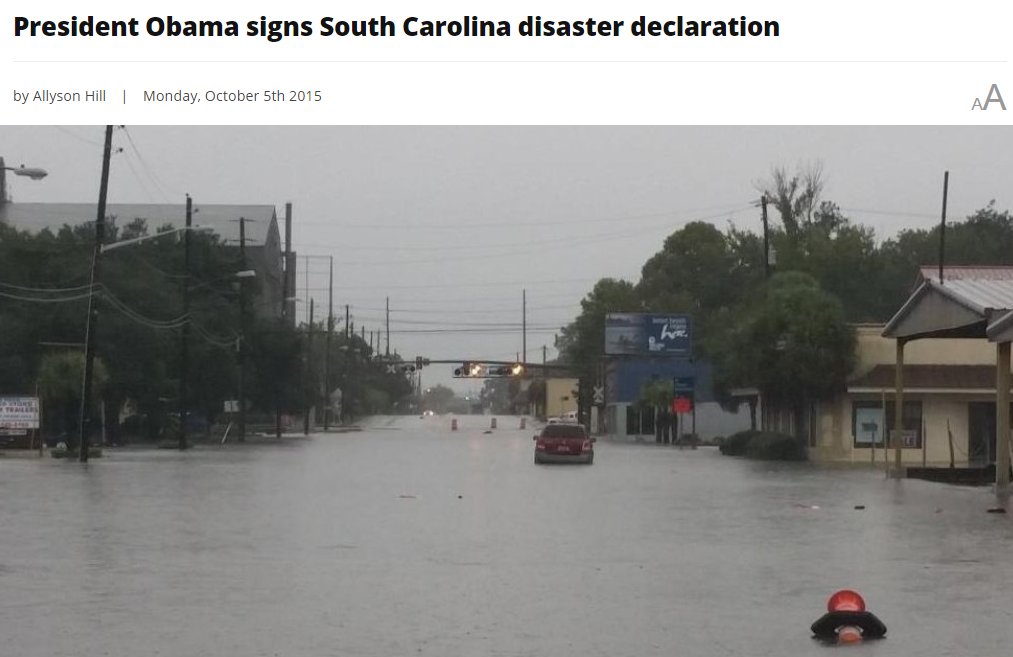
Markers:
point(200, 229)
point(32, 173)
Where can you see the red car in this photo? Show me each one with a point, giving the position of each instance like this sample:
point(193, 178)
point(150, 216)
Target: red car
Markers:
point(564, 443)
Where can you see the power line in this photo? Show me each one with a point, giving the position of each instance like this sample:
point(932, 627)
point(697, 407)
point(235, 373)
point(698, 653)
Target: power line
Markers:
point(515, 248)
point(23, 288)
point(16, 297)
point(144, 163)
point(514, 223)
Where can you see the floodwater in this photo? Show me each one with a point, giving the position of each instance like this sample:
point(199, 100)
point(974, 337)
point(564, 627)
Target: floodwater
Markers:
point(407, 539)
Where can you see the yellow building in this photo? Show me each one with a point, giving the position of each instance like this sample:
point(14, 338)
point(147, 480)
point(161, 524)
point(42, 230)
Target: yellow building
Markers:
point(560, 396)
point(942, 353)
point(949, 394)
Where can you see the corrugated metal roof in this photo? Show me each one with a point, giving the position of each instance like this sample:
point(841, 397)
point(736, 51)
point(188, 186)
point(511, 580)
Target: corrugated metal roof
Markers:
point(35, 217)
point(984, 293)
point(968, 272)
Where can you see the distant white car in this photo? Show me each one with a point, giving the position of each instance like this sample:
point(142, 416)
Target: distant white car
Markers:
point(565, 418)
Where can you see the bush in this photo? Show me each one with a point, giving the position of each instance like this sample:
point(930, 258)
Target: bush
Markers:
point(736, 444)
point(763, 445)
point(775, 447)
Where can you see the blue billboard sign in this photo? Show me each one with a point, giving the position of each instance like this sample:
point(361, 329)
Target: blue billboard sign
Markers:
point(643, 334)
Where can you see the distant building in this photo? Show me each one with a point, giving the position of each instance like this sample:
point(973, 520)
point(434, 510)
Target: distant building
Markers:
point(626, 416)
point(560, 396)
point(264, 250)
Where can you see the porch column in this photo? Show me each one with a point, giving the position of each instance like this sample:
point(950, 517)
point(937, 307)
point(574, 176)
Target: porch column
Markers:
point(1002, 383)
point(898, 409)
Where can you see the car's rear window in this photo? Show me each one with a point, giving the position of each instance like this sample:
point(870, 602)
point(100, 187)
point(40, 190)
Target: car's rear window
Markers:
point(563, 431)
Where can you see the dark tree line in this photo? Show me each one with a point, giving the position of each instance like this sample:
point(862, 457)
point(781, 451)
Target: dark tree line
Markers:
point(44, 280)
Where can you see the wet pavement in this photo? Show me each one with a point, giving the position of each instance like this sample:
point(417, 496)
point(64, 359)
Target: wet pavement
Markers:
point(407, 539)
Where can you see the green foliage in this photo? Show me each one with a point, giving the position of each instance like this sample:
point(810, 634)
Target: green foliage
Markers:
point(763, 445)
point(138, 340)
point(581, 342)
point(60, 380)
point(656, 392)
point(794, 343)
point(736, 444)
point(770, 446)
point(437, 398)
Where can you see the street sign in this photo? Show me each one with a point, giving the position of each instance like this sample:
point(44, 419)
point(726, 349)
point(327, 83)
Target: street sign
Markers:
point(392, 369)
point(599, 395)
point(231, 405)
point(683, 384)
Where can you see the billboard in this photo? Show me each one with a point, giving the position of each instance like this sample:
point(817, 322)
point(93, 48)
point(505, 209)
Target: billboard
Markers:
point(637, 334)
point(19, 413)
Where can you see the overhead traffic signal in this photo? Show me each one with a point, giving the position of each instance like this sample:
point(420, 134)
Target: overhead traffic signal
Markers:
point(516, 369)
point(470, 369)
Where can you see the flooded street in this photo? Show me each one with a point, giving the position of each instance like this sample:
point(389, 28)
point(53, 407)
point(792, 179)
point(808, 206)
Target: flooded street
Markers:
point(407, 539)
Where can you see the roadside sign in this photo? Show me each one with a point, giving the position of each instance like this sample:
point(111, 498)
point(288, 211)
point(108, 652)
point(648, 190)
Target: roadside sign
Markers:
point(683, 384)
point(19, 412)
point(682, 405)
point(231, 406)
point(599, 395)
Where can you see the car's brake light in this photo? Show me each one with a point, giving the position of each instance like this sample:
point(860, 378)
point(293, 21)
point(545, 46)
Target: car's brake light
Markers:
point(540, 444)
point(586, 447)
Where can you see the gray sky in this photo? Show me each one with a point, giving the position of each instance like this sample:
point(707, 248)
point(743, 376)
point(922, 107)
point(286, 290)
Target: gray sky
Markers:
point(453, 223)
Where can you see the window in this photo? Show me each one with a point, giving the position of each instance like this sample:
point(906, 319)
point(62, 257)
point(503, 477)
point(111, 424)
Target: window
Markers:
point(867, 423)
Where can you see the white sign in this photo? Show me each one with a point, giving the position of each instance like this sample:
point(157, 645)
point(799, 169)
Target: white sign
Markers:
point(231, 406)
point(599, 394)
point(19, 412)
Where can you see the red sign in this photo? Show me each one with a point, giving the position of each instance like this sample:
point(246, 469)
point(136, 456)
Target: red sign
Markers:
point(682, 405)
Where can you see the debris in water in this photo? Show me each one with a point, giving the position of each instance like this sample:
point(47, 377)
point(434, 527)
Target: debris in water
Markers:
point(860, 507)
point(407, 497)
point(997, 509)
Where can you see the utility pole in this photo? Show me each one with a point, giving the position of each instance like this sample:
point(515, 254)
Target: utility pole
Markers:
point(766, 238)
point(387, 350)
point(327, 354)
point(346, 392)
point(242, 331)
point(942, 225)
point(310, 401)
point(91, 326)
point(524, 328)
point(286, 271)
point(184, 334)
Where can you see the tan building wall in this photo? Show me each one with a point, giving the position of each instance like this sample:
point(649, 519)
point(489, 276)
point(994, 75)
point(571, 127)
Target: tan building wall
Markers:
point(555, 391)
point(835, 440)
point(873, 349)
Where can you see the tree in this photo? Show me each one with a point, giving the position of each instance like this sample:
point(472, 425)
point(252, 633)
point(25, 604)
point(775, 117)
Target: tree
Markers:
point(794, 345)
point(437, 398)
point(795, 195)
point(657, 394)
point(60, 375)
point(582, 342)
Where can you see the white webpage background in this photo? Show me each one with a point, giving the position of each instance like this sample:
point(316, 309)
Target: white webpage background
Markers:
point(859, 62)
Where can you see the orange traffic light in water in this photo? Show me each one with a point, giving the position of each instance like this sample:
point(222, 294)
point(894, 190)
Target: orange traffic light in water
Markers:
point(847, 621)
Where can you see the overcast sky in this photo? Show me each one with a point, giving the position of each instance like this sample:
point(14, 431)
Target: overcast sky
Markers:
point(453, 223)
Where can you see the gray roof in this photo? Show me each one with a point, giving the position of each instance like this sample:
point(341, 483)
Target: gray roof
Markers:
point(35, 217)
point(967, 297)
